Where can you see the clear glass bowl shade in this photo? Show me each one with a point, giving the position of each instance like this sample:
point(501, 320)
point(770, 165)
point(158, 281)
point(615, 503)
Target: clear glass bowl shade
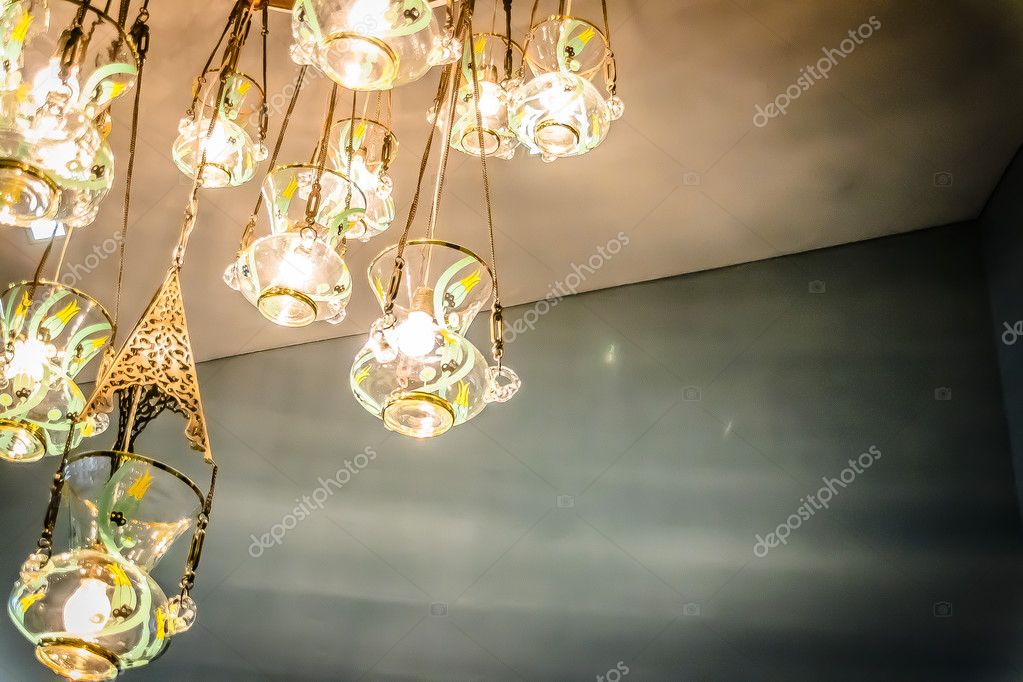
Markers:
point(373, 148)
point(565, 44)
point(130, 506)
point(49, 336)
point(30, 37)
point(342, 205)
point(61, 176)
point(90, 615)
point(559, 115)
point(367, 44)
point(293, 280)
point(422, 395)
point(234, 147)
point(459, 283)
point(55, 163)
point(498, 140)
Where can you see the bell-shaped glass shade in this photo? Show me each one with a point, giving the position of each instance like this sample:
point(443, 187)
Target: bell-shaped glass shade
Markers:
point(50, 332)
point(341, 209)
point(369, 44)
point(565, 44)
point(55, 163)
point(91, 614)
point(132, 507)
point(447, 281)
point(364, 151)
point(293, 278)
point(498, 139)
point(235, 145)
point(559, 115)
point(424, 380)
point(95, 610)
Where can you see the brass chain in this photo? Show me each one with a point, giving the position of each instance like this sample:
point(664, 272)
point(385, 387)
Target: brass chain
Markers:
point(497, 324)
point(447, 75)
point(140, 37)
point(251, 225)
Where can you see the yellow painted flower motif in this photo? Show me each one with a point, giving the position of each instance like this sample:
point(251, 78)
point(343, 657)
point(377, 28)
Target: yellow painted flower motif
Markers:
point(586, 36)
point(289, 191)
point(21, 28)
point(26, 303)
point(470, 282)
point(161, 624)
point(141, 485)
point(361, 375)
point(119, 576)
point(379, 286)
point(68, 311)
point(463, 395)
point(481, 44)
point(29, 599)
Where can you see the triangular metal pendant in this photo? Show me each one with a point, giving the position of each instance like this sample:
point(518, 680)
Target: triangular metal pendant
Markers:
point(157, 361)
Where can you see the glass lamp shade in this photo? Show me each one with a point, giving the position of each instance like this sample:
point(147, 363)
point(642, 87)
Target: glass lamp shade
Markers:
point(95, 610)
point(369, 44)
point(293, 278)
point(234, 147)
point(565, 44)
point(342, 205)
point(499, 141)
point(50, 335)
point(432, 379)
point(55, 163)
point(373, 148)
point(447, 281)
point(558, 115)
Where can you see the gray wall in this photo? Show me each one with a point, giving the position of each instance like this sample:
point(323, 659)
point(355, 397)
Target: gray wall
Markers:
point(1003, 241)
point(674, 421)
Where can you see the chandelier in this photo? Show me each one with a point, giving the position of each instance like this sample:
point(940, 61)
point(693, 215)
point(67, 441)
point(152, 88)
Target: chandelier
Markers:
point(237, 104)
point(51, 331)
point(64, 63)
point(95, 609)
point(418, 372)
point(372, 44)
point(558, 112)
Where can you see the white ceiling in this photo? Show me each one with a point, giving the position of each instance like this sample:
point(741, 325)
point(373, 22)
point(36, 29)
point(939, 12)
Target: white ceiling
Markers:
point(686, 174)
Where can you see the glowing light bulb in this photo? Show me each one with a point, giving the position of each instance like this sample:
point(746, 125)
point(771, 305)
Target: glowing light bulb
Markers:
point(29, 359)
point(367, 16)
point(416, 334)
point(48, 80)
point(491, 103)
point(88, 609)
